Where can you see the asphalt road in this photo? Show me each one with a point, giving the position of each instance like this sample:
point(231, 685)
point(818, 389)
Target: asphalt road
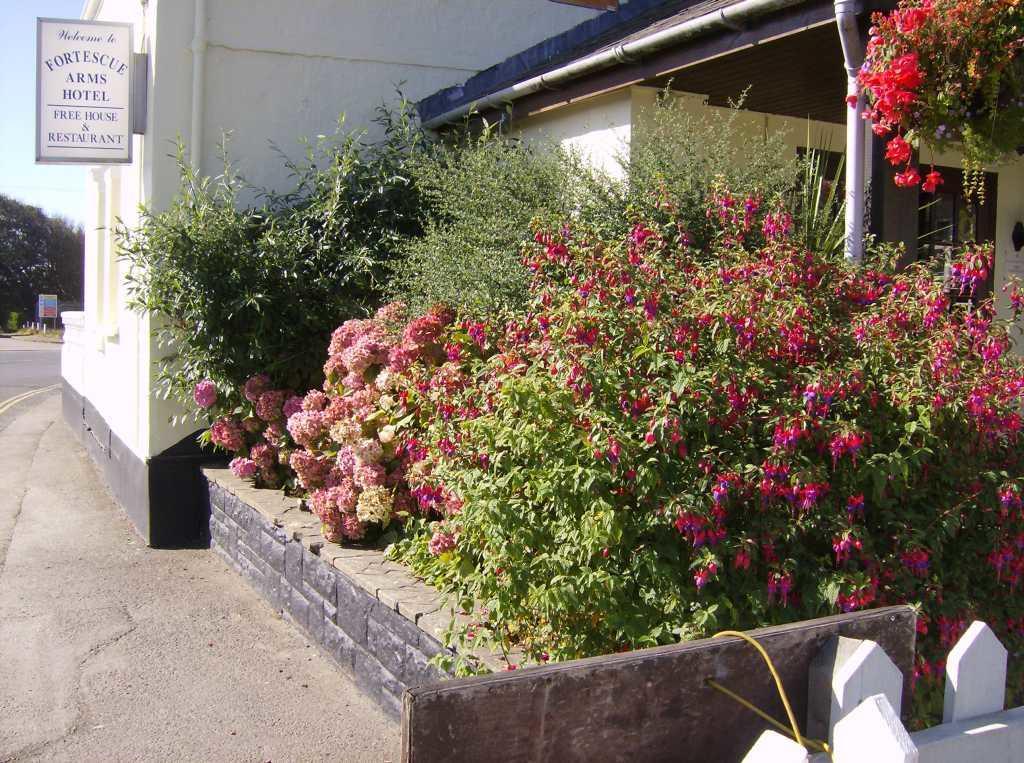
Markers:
point(25, 366)
point(111, 651)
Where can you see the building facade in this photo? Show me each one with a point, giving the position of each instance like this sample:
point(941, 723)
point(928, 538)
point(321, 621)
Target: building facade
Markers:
point(268, 72)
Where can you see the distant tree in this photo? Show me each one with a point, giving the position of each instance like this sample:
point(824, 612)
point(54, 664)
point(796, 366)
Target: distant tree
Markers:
point(39, 254)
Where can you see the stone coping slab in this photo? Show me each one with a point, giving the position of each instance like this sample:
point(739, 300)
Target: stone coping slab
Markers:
point(392, 584)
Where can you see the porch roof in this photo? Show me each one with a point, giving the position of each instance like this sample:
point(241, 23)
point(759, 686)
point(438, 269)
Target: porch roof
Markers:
point(797, 77)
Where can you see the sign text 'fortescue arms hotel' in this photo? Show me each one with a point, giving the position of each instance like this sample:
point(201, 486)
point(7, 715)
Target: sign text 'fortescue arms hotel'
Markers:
point(83, 106)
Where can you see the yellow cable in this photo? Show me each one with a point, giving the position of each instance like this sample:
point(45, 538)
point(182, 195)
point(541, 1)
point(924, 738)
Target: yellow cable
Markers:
point(794, 729)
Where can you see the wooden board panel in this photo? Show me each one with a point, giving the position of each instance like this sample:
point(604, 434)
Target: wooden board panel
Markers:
point(650, 705)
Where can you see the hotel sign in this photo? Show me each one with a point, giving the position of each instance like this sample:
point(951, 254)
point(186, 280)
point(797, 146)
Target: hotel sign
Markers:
point(83, 92)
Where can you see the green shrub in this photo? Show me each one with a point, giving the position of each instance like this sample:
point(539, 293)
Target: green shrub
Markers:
point(677, 440)
point(13, 320)
point(480, 194)
point(678, 157)
point(241, 291)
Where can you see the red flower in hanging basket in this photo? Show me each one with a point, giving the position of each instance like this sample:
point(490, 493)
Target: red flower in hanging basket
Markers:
point(932, 181)
point(898, 151)
point(909, 178)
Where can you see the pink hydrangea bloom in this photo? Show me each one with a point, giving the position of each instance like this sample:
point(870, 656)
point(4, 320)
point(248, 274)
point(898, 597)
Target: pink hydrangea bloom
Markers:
point(440, 542)
point(292, 405)
point(352, 527)
point(269, 404)
point(370, 475)
point(243, 468)
point(306, 427)
point(256, 386)
point(205, 393)
point(346, 461)
point(227, 433)
point(315, 400)
point(393, 312)
point(367, 451)
point(264, 455)
point(310, 470)
point(353, 381)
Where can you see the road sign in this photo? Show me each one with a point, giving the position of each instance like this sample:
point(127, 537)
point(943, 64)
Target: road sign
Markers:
point(47, 307)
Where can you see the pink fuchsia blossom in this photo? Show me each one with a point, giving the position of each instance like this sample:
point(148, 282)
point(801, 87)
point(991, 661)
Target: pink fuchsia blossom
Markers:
point(227, 433)
point(256, 386)
point(855, 505)
point(780, 585)
point(243, 468)
point(440, 542)
point(844, 545)
point(809, 495)
point(705, 574)
point(916, 561)
point(205, 394)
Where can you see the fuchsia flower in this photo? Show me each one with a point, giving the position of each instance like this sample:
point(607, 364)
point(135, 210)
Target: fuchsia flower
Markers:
point(844, 545)
point(855, 505)
point(704, 574)
point(916, 561)
point(810, 494)
point(780, 584)
point(205, 393)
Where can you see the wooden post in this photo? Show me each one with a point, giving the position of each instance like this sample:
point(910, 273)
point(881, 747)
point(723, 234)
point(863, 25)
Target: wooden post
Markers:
point(773, 747)
point(975, 675)
point(844, 674)
point(873, 732)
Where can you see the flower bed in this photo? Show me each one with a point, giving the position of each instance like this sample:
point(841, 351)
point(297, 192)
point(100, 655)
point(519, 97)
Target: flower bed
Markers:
point(674, 440)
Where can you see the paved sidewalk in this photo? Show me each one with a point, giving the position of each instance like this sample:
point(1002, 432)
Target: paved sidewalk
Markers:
point(110, 651)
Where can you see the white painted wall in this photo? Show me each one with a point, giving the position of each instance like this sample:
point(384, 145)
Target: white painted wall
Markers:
point(275, 70)
point(600, 129)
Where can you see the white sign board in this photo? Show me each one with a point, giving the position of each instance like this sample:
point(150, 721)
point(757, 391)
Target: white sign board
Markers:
point(83, 95)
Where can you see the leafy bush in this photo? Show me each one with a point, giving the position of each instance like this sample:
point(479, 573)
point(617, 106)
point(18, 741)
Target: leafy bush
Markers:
point(677, 440)
point(480, 194)
point(13, 320)
point(686, 154)
point(242, 291)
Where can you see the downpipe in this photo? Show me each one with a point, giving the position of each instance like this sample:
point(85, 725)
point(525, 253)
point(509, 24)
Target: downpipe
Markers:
point(853, 58)
point(198, 73)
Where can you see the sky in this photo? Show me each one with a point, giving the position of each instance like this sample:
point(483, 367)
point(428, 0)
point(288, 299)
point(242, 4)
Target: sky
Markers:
point(58, 189)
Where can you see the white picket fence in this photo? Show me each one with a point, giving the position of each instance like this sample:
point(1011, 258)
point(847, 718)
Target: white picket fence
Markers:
point(865, 693)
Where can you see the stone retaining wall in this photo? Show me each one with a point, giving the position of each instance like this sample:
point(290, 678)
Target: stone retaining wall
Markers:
point(370, 615)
